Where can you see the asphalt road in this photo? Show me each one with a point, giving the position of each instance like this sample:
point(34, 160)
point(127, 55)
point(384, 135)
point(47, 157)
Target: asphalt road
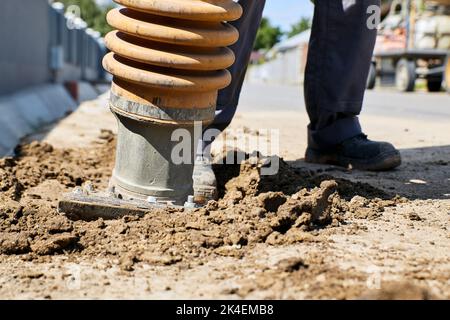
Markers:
point(383, 102)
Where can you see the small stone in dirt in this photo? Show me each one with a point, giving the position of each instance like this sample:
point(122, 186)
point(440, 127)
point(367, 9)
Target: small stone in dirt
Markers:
point(238, 239)
point(158, 259)
point(230, 251)
point(366, 213)
point(59, 225)
point(127, 219)
point(291, 265)
point(358, 202)
point(54, 244)
point(127, 262)
point(230, 291)
point(297, 235)
point(10, 208)
point(32, 274)
point(100, 224)
point(14, 243)
point(194, 225)
point(212, 242)
point(322, 203)
point(363, 208)
point(414, 216)
point(18, 213)
point(274, 238)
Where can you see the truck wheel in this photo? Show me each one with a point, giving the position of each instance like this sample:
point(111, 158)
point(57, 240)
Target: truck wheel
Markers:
point(434, 84)
point(372, 78)
point(405, 75)
point(447, 75)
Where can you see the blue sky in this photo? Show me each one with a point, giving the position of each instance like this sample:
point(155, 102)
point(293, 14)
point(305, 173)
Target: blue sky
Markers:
point(283, 13)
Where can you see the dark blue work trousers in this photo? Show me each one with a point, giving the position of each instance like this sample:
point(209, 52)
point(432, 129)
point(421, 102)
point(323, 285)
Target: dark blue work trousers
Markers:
point(339, 57)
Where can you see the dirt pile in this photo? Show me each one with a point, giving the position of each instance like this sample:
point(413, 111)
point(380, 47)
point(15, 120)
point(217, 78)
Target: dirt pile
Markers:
point(30, 185)
point(286, 208)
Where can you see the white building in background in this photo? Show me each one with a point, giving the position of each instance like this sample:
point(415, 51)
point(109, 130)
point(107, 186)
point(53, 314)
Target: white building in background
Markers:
point(285, 62)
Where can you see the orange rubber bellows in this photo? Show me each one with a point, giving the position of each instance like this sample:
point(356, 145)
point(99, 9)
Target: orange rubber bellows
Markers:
point(169, 58)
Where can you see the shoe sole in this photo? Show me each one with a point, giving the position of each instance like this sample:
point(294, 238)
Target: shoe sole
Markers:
point(383, 162)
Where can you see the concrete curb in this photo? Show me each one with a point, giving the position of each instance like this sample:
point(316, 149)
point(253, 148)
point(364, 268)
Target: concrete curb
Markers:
point(26, 111)
point(86, 92)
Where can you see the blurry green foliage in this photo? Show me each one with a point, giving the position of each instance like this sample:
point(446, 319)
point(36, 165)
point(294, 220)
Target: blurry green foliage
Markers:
point(94, 15)
point(267, 36)
point(302, 25)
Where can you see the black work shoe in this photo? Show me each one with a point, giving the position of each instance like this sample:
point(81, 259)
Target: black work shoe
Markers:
point(358, 153)
point(205, 183)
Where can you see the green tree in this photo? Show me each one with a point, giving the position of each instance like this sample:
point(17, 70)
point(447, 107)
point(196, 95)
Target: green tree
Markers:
point(302, 25)
point(94, 15)
point(267, 36)
point(100, 23)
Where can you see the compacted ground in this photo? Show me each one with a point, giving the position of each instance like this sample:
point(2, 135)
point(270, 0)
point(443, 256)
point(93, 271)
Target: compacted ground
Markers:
point(307, 232)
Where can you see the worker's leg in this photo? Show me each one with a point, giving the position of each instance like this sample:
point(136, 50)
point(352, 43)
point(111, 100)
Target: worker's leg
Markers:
point(341, 48)
point(205, 185)
point(248, 26)
point(339, 58)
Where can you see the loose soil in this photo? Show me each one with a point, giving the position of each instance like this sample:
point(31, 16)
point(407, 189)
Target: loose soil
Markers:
point(278, 236)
